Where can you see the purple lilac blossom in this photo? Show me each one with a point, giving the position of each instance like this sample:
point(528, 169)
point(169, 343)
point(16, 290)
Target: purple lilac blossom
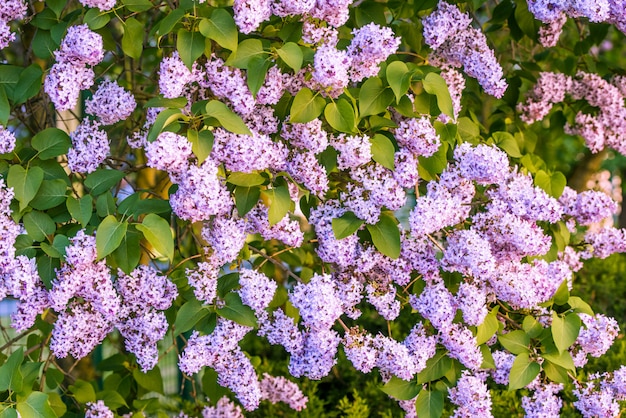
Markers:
point(224, 408)
point(278, 389)
point(169, 152)
point(418, 136)
point(103, 5)
point(64, 82)
point(111, 103)
point(317, 302)
point(249, 14)
point(98, 410)
point(226, 237)
point(331, 70)
point(544, 402)
point(371, 45)
point(286, 230)
point(257, 290)
point(90, 147)
point(7, 140)
point(316, 357)
point(204, 281)
point(173, 76)
point(471, 395)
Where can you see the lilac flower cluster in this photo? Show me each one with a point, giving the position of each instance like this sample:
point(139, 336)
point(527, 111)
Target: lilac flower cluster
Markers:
point(111, 103)
point(7, 140)
point(279, 389)
point(10, 10)
point(471, 395)
point(90, 147)
point(448, 32)
point(80, 49)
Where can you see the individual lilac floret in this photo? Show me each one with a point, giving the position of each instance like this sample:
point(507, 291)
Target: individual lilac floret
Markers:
point(224, 408)
point(279, 389)
point(7, 140)
point(103, 5)
point(483, 164)
point(257, 290)
point(81, 46)
point(90, 147)
point(317, 302)
point(418, 136)
point(331, 70)
point(111, 103)
point(471, 395)
point(448, 32)
point(173, 76)
point(284, 8)
point(98, 410)
point(544, 402)
point(64, 82)
point(169, 152)
point(353, 151)
point(249, 14)
point(371, 45)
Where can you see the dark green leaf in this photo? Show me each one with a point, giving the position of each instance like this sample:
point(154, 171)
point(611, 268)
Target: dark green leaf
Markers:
point(39, 225)
point(507, 143)
point(245, 52)
point(467, 129)
point(340, 115)
point(435, 84)
point(102, 180)
point(235, 310)
point(257, 71)
point(80, 209)
point(51, 193)
point(83, 391)
point(565, 330)
point(190, 46)
point(29, 84)
point(25, 183)
point(109, 235)
point(401, 389)
point(201, 143)
point(563, 359)
point(96, 19)
point(436, 368)
point(167, 24)
point(523, 371)
point(516, 342)
point(5, 107)
point(555, 372)
point(127, 255)
point(165, 118)
point(137, 5)
point(383, 151)
point(177, 102)
point(346, 225)
point(429, 404)
point(227, 118)
point(306, 106)
point(36, 405)
point(292, 55)
point(51, 142)
point(189, 315)
point(10, 375)
point(386, 236)
point(132, 40)
point(151, 380)
point(374, 97)
point(246, 198)
point(221, 28)
point(158, 233)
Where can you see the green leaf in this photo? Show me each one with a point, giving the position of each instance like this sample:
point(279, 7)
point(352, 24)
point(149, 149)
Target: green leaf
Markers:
point(436, 367)
point(235, 310)
point(36, 406)
point(80, 209)
point(516, 342)
point(25, 183)
point(579, 305)
point(555, 372)
point(523, 371)
point(401, 389)
point(28, 85)
point(246, 51)
point(151, 380)
point(102, 180)
point(467, 129)
point(127, 255)
point(51, 193)
point(246, 198)
point(109, 235)
point(227, 118)
point(51, 142)
point(132, 40)
point(8, 413)
point(83, 391)
point(279, 202)
point(10, 375)
point(553, 184)
point(177, 102)
point(430, 167)
point(189, 315)
point(96, 19)
point(383, 151)
point(386, 236)
point(507, 143)
point(306, 106)
point(292, 55)
point(346, 225)
point(201, 143)
point(221, 28)
point(490, 325)
point(563, 359)
point(340, 115)
point(374, 97)
point(169, 22)
point(56, 403)
point(532, 327)
point(112, 399)
point(5, 107)
point(257, 71)
point(164, 118)
point(565, 330)
point(190, 46)
point(39, 225)
point(245, 179)
point(429, 404)
point(435, 84)
point(137, 5)
point(158, 233)
point(398, 78)
point(561, 296)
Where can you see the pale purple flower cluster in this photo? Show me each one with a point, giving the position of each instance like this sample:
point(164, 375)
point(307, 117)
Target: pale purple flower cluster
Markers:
point(471, 395)
point(247, 153)
point(204, 281)
point(316, 356)
point(249, 14)
point(595, 337)
point(418, 136)
point(591, 207)
point(145, 295)
point(483, 164)
point(354, 151)
point(257, 290)
point(80, 49)
point(7, 140)
point(405, 168)
point(10, 10)
point(273, 87)
point(224, 408)
point(308, 136)
point(317, 302)
point(605, 242)
point(456, 85)
point(341, 252)
point(98, 410)
point(278, 389)
point(330, 71)
point(596, 400)
point(169, 152)
point(371, 45)
point(226, 236)
point(111, 103)
point(173, 76)
point(544, 402)
point(102, 5)
point(228, 84)
point(503, 361)
point(90, 147)
point(448, 32)
point(384, 300)
point(23, 283)
point(549, 33)
point(304, 167)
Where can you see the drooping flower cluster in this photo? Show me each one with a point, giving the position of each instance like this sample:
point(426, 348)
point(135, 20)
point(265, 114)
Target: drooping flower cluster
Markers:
point(80, 49)
point(448, 32)
point(9, 11)
point(111, 103)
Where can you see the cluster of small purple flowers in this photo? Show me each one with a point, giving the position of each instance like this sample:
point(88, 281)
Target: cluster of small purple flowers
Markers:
point(10, 10)
point(7, 140)
point(448, 32)
point(90, 147)
point(111, 103)
point(80, 49)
